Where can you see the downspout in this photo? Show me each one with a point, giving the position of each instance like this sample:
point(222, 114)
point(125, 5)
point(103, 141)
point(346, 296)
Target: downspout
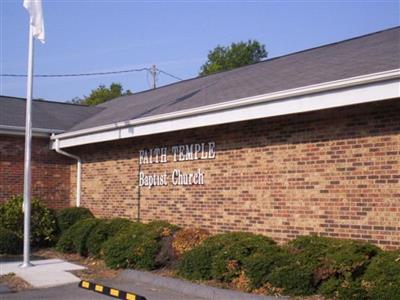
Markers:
point(78, 171)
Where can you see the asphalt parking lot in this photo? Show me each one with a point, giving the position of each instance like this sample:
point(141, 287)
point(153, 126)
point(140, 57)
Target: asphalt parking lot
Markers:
point(146, 284)
point(72, 291)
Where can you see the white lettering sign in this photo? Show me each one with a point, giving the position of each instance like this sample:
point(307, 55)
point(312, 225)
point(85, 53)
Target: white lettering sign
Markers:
point(152, 180)
point(186, 152)
point(180, 178)
point(177, 178)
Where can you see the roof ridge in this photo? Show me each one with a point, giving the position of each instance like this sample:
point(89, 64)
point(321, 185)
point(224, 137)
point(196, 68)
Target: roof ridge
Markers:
point(260, 62)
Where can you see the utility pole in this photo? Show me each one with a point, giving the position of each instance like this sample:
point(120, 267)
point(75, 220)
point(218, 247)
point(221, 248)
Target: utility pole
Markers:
point(154, 75)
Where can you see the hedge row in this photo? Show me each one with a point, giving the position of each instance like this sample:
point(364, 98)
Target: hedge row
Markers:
point(122, 243)
point(338, 269)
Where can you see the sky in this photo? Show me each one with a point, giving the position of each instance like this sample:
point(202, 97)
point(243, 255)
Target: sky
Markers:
point(84, 36)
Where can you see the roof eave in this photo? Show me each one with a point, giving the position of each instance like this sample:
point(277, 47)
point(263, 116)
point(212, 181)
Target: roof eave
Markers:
point(36, 132)
point(327, 87)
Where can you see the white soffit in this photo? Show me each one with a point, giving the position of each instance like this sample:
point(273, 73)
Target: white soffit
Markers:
point(355, 90)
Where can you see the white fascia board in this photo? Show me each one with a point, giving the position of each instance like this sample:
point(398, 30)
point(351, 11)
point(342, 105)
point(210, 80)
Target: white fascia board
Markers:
point(36, 132)
point(358, 94)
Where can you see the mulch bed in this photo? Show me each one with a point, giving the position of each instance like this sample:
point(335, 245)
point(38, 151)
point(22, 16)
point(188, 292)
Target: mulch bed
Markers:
point(15, 283)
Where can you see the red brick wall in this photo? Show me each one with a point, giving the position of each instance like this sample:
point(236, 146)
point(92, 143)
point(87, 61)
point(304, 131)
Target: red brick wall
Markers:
point(50, 171)
point(334, 172)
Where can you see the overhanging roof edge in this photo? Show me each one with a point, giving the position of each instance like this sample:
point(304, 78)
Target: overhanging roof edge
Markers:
point(235, 104)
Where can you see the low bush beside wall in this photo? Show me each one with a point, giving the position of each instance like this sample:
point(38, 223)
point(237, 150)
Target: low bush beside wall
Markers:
point(382, 277)
point(259, 265)
point(10, 242)
point(132, 248)
point(69, 216)
point(74, 239)
point(221, 256)
point(102, 232)
point(138, 245)
point(43, 221)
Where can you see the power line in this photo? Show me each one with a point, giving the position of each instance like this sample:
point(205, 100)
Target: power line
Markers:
point(166, 73)
point(150, 70)
point(78, 74)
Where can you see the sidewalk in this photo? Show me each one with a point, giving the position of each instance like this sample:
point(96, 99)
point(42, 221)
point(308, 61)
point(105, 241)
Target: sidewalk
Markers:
point(44, 273)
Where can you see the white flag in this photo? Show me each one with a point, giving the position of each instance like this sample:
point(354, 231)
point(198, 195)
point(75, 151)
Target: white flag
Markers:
point(34, 7)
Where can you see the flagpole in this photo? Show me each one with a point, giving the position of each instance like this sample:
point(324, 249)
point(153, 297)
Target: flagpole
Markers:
point(27, 161)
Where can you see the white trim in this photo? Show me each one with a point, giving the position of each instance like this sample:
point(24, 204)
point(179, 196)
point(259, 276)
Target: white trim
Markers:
point(19, 130)
point(361, 89)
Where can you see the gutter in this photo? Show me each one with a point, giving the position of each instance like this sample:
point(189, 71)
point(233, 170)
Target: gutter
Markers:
point(296, 92)
point(19, 130)
point(78, 170)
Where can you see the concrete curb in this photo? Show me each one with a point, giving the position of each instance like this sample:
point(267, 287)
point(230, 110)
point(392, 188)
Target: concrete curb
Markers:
point(4, 289)
point(192, 289)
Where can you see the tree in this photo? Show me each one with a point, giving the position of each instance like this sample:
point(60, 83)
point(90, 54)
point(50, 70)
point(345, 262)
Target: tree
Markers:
point(102, 94)
point(233, 56)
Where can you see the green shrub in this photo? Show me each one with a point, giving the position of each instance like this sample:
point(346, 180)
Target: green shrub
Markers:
point(196, 263)
point(10, 242)
point(294, 278)
point(342, 268)
point(65, 243)
point(227, 264)
point(43, 221)
point(343, 289)
point(323, 259)
point(350, 257)
point(312, 246)
point(74, 240)
point(69, 216)
point(311, 251)
point(102, 232)
point(260, 264)
point(135, 246)
point(382, 277)
point(221, 256)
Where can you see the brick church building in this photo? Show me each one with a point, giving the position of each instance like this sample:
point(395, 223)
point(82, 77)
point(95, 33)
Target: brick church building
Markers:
point(303, 143)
